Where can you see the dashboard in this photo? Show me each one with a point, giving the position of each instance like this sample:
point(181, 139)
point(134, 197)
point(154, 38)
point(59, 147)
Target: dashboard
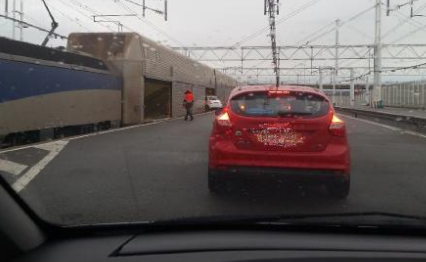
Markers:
point(221, 246)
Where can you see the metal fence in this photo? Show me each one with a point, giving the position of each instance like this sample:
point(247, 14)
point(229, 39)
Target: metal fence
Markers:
point(408, 95)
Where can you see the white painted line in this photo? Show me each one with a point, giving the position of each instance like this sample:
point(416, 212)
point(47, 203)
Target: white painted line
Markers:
point(97, 133)
point(372, 123)
point(415, 134)
point(11, 167)
point(386, 126)
point(55, 148)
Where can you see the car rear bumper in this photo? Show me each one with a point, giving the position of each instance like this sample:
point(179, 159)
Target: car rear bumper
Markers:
point(279, 174)
point(215, 106)
point(334, 159)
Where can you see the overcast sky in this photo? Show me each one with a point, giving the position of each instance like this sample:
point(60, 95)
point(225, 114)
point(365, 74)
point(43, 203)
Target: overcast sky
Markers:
point(222, 22)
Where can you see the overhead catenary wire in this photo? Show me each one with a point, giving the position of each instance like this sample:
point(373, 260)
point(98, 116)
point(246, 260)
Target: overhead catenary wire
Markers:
point(392, 30)
point(343, 23)
point(384, 71)
point(306, 38)
point(406, 3)
point(91, 10)
point(33, 26)
point(404, 21)
point(127, 8)
point(408, 34)
point(266, 28)
point(314, 37)
point(359, 31)
point(74, 20)
point(74, 8)
point(124, 6)
point(88, 9)
point(145, 7)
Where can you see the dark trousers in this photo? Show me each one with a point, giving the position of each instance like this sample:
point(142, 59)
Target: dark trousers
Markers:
point(188, 113)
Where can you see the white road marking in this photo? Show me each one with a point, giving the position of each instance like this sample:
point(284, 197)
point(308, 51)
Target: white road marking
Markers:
point(386, 126)
point(11, 167)
point(96, 133)
point(415, 134)
point(372, 123)
point(55, 148)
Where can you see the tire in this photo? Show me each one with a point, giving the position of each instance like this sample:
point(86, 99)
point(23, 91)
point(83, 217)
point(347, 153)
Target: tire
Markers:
point(207, 108)
point(215, 182)
point(339, 189)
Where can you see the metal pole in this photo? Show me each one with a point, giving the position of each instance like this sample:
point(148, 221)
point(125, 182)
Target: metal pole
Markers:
point(21, 26)
point(165, 10)
point(377, 90)
point(352, 94)
point(320, 80)
point(333, 78)
point(387, 7)
point(337, 48)
point(6, 7)
point(367, 91)
point(336, 66)
point(13, 16)
point(304, 76)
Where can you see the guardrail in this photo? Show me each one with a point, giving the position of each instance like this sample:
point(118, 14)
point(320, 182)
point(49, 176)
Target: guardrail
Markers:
point(411, 95)
point(401, 120)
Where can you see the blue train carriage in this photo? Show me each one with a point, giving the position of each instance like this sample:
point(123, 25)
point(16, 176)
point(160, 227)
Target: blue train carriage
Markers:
point(47, 93)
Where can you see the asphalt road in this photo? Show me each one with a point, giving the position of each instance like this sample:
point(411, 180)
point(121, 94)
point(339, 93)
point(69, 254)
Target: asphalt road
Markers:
point(159, 171)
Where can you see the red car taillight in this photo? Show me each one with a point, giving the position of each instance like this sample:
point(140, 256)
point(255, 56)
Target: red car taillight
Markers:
point(223, 124)
point(223, 119)
point(337, 127)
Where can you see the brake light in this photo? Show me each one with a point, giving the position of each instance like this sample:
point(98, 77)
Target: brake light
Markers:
point(337, 126)
point(223, 119)
point(278, 92)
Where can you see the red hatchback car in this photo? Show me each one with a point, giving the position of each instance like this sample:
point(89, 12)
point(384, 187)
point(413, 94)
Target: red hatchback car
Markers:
point(290, 131)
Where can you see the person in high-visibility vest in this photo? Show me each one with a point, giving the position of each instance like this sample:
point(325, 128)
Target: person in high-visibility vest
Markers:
point(188, 103)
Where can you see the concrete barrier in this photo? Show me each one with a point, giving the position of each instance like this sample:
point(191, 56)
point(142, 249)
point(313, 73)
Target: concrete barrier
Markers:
point(401, 119)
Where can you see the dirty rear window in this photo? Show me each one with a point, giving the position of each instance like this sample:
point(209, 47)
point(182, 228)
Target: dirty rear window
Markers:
point(280, 104)
point(212, 98)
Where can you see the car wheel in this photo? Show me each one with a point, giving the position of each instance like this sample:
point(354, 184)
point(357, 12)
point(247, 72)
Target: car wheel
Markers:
point(339, 189)
point(216, 184)
point(207, 108)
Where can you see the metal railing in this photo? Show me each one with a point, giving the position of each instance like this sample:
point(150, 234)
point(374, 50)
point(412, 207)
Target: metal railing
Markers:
point(404, 95)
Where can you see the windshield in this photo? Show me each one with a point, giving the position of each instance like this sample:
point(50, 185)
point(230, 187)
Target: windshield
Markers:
point(116, 111)
point(212, 98)
point(264, 104)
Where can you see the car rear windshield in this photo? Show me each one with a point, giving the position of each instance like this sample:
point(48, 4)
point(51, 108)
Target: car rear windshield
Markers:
point(280, 104)
point(212, 98)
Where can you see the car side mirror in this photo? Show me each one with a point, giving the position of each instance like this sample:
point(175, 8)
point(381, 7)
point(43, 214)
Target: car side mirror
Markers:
point(218, 111)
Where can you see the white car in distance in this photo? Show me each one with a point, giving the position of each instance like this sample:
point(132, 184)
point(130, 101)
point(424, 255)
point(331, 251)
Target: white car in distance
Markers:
point(213, 102)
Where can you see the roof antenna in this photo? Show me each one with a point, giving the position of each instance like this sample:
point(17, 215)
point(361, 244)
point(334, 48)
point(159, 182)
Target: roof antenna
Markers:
point(54, 25)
